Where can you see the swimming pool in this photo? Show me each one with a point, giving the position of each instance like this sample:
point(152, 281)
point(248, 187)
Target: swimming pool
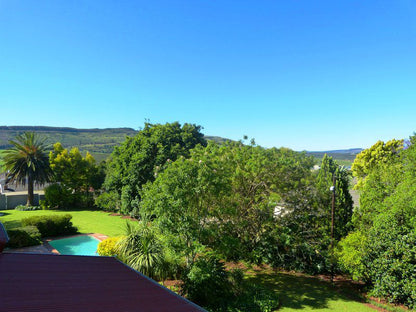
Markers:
point(82, 245)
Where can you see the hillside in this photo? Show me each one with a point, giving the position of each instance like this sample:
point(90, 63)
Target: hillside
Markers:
point(343, 157)
point(99, 142)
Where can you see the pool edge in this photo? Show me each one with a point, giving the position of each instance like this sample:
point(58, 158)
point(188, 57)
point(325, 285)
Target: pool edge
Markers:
point(52, 250)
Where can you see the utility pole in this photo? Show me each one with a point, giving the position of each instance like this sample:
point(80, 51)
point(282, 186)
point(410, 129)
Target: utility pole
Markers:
point(332, 189)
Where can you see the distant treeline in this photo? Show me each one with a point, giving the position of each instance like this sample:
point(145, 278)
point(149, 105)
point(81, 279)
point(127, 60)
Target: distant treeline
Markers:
point(62, 129)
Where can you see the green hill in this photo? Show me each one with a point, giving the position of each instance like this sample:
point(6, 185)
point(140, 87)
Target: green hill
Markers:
point(343, 157)
point(99, 142)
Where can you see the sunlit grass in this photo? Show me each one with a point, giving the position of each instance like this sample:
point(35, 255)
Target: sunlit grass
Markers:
point(86, 221)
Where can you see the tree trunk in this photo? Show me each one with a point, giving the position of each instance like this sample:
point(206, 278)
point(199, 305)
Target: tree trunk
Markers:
point(29, 191)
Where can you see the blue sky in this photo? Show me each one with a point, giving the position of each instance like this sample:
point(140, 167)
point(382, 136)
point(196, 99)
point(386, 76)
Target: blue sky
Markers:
point(308, 75)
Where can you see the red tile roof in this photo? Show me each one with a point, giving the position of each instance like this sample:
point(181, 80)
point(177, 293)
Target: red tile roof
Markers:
point(34, 282)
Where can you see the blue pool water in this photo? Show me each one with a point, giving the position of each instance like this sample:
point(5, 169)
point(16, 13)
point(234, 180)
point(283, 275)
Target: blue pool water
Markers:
point(83, 245)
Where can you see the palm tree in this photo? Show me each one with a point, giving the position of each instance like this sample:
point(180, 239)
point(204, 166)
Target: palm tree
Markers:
point(27, 162)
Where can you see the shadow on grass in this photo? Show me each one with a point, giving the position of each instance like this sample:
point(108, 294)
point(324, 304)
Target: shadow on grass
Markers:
point(9, 225)
point(300, 292)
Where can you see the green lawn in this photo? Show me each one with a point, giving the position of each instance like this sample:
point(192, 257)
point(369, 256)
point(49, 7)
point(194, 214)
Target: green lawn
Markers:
point(85, 221)
point(298, 292)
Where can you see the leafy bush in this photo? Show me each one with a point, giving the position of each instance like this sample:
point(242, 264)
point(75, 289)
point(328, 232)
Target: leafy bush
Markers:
point(24, 237)
point(51, 225)
point(142, 249)
point(109, 201)
point(27, 208)
point(391, 263)
point(350, 252)
point(255, 298)
point(206, 283)
point(108, 247)
point(56, 196)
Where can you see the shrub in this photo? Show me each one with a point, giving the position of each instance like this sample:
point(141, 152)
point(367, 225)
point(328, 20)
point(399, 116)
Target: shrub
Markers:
point(27, 208)
point(391, 263)
point(350, 252)
point(109, 201)
point(256, 298)
point(51, 225)
point(108, 247)
point(56, 196)
point(206, 283)
point(23, 237)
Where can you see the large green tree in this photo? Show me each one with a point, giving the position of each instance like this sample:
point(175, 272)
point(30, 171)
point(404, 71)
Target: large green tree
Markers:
point(75, 177)
point(27, 162)
point(223, 197)
point(136, 160)
point(383, 242)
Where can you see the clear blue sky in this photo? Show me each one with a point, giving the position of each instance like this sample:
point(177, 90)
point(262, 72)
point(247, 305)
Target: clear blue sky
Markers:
point(304, 74)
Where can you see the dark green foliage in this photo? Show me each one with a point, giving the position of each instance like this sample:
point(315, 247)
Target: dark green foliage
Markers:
point(343, 200)
point(27, 162)
point(24, 237)
point(142, 250)
point(27, 208)
point(391, 263)
point(382, 250)
point(108, 201)
point(57, 197)
point(255, 298)
point(137, 160)
point(224, 197)
point(53, 225)
point(290, 251)
point(206, 283)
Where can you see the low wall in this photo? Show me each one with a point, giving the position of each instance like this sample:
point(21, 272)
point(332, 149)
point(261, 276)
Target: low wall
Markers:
point(11, 200)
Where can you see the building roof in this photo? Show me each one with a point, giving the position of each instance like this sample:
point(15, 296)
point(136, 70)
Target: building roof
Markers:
point(35, 282)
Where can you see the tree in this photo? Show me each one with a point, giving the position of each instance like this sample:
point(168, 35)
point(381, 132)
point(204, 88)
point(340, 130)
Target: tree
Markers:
point(76, 175)
point(184, 199)
point(222, 197)
point(136, 160)
point(27, 162)
point(384, 238)
point(379, 153)
point(343, 201)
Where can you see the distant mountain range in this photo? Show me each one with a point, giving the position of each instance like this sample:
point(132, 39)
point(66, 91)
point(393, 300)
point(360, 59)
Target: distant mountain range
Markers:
point(352, 151)
point(101, 142)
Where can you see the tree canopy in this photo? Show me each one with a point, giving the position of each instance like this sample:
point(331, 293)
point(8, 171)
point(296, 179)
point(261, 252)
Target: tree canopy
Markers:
point(27, 161)
point(137, 159)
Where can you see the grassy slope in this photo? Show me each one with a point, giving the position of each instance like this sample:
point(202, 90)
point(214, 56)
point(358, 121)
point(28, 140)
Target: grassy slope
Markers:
point(99, 142)
point(85, 221)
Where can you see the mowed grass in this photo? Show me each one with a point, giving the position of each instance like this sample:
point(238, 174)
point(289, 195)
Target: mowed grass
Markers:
point(85, 221)
point(304, 293)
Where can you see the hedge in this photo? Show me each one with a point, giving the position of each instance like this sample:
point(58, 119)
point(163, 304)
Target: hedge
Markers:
point(24, 237)
point(52, 225)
